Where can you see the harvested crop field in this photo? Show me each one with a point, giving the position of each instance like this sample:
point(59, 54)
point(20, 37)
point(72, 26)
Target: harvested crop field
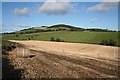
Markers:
point(74, 49)
point(67, 60)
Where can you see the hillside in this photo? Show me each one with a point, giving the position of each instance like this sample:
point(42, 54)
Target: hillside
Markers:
point(67, 33)
point(67, 36)
point(58, 27)
point(64, 27)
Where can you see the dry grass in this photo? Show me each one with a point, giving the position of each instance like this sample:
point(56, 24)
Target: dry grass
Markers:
point(74, 49)
point(68, 60)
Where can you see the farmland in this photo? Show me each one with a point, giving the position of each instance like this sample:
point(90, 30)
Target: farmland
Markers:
point(67, 36)
point(63, 60)
point(38, 53)
point(60, 39)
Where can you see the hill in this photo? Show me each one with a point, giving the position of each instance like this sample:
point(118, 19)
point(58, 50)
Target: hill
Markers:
point(58, 27)
point(64, 27)
point(66, 33)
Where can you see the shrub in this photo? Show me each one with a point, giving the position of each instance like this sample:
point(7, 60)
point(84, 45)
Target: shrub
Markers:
point(111, 42)
point(108, 42)
point(59, 40)
point(7, 46)
point(17, 35)
point(103, 42)
point(52, 39)
point(29, 38)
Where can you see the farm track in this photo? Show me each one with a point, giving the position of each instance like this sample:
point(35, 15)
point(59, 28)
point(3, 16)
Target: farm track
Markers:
point(52, 65)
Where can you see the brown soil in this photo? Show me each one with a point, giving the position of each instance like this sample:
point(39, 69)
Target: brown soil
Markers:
point(68, 60)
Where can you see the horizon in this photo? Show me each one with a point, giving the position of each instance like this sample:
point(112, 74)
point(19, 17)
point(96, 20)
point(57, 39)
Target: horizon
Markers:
point(22, 15)
point(58, 24)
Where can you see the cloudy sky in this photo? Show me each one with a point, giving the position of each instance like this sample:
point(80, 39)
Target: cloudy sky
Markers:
point(21, 15)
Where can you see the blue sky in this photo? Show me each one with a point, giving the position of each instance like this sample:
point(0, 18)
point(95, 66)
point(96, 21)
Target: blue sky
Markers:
point(21, 15)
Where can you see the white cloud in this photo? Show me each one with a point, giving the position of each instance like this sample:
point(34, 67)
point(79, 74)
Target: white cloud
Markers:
point(103, 6)
point(110, 0)
point(21, 11)
point(23, 25)
point(56, 0)
point(56, 7)
point(93, 20)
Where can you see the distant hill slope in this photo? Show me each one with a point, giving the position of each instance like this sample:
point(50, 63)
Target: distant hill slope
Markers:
point(64, 26)
point(58, 27)
point(61, 27)
point(66, 33)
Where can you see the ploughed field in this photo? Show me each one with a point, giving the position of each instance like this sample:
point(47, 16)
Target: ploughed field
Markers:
point(67, 60)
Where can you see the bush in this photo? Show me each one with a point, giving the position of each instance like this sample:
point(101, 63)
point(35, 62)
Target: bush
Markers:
point(52, 39)
point(103, 42)
point(111, 42)
point(7, 46)
point(108, 42)
point(17, 35)
point(59, 40)
point(29, 38)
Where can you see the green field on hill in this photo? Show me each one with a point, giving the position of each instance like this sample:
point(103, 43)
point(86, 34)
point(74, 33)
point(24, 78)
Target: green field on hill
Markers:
point(67, 36)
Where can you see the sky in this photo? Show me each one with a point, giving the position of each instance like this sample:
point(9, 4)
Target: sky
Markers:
point(21, 15)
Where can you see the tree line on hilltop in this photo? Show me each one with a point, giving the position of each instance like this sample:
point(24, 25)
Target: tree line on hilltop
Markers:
point(60, 27)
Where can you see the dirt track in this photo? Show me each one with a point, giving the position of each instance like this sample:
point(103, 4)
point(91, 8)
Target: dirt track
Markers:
point(68, 60)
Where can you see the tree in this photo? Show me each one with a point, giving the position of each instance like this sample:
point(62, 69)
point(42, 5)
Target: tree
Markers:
point(17, 35)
